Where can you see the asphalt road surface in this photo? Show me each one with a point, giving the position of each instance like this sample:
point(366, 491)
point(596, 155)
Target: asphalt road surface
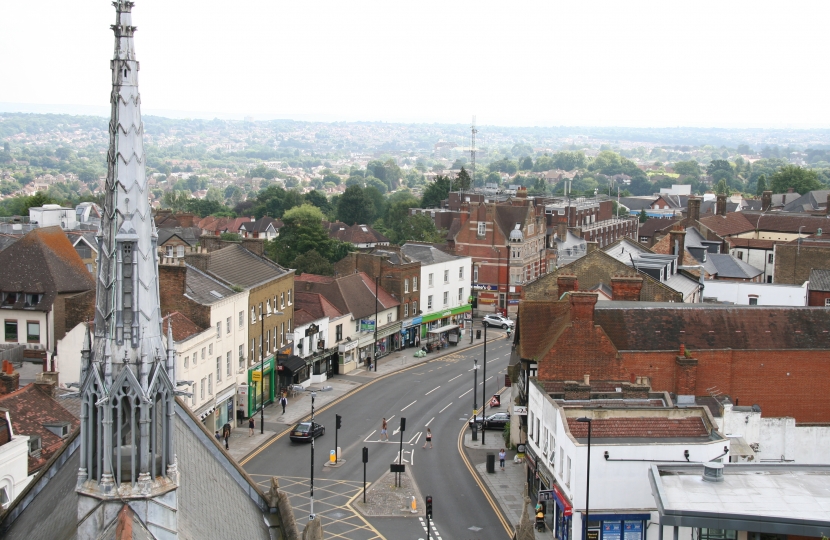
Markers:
point(437, 394)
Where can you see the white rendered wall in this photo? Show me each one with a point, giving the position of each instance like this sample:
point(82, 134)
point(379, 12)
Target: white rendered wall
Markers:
point(768, 294)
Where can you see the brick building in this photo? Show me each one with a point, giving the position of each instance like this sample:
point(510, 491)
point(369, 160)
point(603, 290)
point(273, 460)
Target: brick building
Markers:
point(794, 260)
point(818, 291)
point(773, 357)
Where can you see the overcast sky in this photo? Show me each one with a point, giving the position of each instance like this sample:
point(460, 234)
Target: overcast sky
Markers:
point(662, 63)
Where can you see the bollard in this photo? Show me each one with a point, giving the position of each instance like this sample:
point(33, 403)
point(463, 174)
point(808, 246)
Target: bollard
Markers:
point(339, 454)
point(414, 506)
point(332, 456)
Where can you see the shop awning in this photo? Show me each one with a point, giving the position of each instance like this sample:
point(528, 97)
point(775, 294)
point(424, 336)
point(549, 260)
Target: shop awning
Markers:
point(389, 329)
point(293, 364)
point(442, 329)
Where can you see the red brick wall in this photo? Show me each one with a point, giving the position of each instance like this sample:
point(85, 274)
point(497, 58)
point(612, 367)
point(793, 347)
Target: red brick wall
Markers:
point(171, 291)
point(817, 298)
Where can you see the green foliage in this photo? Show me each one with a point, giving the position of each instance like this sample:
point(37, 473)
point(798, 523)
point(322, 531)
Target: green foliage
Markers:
point(355, 206)
point(566, 161)
point(303, 232)
point(436, 192)
point(462, 180)
point(204, 207)
point(526, 163)
point(721, 188)
point(230, 237)
point(504, 165)
point(313, 263)
point(791, 176)
point(318, 199)
point(761, 185)
point(688, 168)
point(643, 216)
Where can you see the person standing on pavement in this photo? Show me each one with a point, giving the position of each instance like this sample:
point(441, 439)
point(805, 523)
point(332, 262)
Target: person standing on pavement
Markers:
point(502, 455)
point(429, 439)
point(226, 434)
point(383, 432)
point(250, 426)
point(283, 402)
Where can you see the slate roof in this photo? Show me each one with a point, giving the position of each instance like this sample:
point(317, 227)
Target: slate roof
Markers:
point(262, 224)
point(711, 207)
point(809, 202)
point(790, 223)
point(653, 326)
point(819, 280)
point(728, 225)
point(507, 217)
point(44, 261)
point(426, 253)
point(190, 235)
point(238, 266)
point(6, 240)
point(539, 325)
point(30, 408)
point(652, 225)
point(645, 427)
point(728, 266)
point(635, 204)
point(183, 327)
point(204, 289)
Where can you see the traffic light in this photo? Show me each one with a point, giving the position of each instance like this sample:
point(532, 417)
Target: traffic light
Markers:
point(403, 424)
point(365, 455)
point(429, 506)
point(337, 421)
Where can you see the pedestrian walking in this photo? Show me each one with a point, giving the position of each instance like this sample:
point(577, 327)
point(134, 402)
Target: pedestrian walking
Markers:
point(502, 455)
point(283, 402)
point(226, 434)
point(429, 439)
point(383, 432)
point(250, 426)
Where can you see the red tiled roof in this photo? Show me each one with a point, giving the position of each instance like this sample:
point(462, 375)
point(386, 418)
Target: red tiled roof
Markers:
point(751, 243)
point(315, 304)
point(657, 428)
point(183, 327)
point(731, 223)
point(30, 408)
point(536, 339)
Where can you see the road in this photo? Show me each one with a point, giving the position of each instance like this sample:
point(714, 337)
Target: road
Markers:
point(436, 394)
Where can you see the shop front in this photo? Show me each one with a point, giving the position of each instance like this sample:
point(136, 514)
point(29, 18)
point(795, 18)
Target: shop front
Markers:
point(261, 384)
point(389, 339)
point(454, 316)
point(321, 365)
point(207, 415)
point(347, 357)
point(292, 370)
point(411, 332)
point(617, 526)
point(224, 408)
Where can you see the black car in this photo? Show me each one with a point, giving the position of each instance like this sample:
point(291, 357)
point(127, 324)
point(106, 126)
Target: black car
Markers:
point(305, 431)
point(494, 421)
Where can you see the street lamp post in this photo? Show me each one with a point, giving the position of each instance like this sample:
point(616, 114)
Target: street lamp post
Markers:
point(311, 430)
point(475, 398)
point(484, 387)
point(588, 480)
point(262, 369)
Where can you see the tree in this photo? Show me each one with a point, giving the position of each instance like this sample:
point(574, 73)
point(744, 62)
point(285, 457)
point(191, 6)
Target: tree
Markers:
point(526, 163)
point(302, 233)
point(792, 176)
point(462, 180)
point(215, 194)
point(318, 199)
point(313, 263)
point(436, 192)
point(204, 207)
point(761, 186)
point(643, 216)
point(687, 168)
point(418, 228)
point(354, 206)
point(175, 200)
point(721, 188)
point(719, 165)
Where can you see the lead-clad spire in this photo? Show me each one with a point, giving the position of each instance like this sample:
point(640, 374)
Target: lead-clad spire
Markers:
point(127, 384)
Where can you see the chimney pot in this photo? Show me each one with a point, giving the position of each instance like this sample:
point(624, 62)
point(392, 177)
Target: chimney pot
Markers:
point(682, 349)
point(587, 379)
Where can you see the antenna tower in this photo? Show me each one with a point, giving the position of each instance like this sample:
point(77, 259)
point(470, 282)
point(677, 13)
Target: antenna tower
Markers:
point(473, 132)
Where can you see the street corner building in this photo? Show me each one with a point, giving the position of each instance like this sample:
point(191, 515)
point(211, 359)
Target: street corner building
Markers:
point(141, 465)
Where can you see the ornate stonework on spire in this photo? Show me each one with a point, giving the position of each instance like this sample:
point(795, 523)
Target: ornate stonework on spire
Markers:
point(128, 373)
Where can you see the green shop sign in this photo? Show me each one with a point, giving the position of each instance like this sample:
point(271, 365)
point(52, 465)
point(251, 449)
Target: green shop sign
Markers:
point(446, 313)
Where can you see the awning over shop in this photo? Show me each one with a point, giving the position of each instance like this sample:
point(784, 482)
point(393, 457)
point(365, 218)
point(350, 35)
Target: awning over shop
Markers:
point(293, 364)
point(205, 411)
point(389, 329)
point(442, 329)
point(446, 313)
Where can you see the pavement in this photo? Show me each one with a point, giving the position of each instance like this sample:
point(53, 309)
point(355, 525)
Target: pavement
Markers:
point(506, 487)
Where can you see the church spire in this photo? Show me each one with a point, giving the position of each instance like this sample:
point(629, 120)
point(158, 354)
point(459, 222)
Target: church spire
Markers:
point(127, 384)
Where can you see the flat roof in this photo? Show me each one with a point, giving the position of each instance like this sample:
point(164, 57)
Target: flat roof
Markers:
point(772, 498)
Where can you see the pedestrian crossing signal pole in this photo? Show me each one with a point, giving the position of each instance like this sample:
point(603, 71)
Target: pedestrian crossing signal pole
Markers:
point(400, 452)
point(338, 421)
point(365, 461)
point(484, 386)
point(429, 513)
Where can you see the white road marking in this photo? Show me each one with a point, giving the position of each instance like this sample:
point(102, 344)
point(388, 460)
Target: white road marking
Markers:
point(454, 378)
point(488, 378)
point(408, 406)
point(433, 390)
point(465, 393)
point(445, 408)
point(430, 421)
point(417, 438)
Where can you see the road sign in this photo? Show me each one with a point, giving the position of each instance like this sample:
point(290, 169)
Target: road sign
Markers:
point(256, 376)
point(397, 468)
point(519, 411)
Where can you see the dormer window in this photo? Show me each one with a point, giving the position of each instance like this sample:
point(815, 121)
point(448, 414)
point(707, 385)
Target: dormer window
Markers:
point(33, 299)
point(61, 429)
point(9, 298)
point(34, 446)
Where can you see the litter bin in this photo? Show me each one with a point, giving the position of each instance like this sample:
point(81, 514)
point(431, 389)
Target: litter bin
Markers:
point(478, 334)
point(491, 463)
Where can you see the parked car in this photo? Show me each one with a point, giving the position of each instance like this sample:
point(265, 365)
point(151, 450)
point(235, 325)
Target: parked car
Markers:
point(305, 431)
point(494, 421)
point(494, 319)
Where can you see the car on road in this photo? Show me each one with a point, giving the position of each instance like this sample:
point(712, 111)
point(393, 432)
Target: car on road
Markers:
point(494, 421)
point(494, 319)
point(305, 431)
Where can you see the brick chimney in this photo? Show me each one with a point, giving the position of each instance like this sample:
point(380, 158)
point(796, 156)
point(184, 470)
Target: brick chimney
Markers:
point(582, 306)
point(9, 378)
point(254, 245)
point(678, 242)
point(567, 283)
point(591, 247)
point(693, 208)
point(198, 260)
point(464, 213)
point(685, 380)
point(721, 205)
point(521, 193)
point(626, 287)
point(766, 200)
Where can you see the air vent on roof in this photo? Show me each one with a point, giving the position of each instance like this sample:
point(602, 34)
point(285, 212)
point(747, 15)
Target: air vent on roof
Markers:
point(216, 294)
point(713, 471)
point(364, 229)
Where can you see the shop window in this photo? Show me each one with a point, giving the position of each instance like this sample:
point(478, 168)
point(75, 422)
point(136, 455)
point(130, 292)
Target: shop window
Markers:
point(11, 330)
point(716, 534)
point(33, 332)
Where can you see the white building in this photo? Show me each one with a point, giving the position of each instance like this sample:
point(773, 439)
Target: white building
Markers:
point(755, 294)
point(629, 433)
point(444, 286)
point(14, 461)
